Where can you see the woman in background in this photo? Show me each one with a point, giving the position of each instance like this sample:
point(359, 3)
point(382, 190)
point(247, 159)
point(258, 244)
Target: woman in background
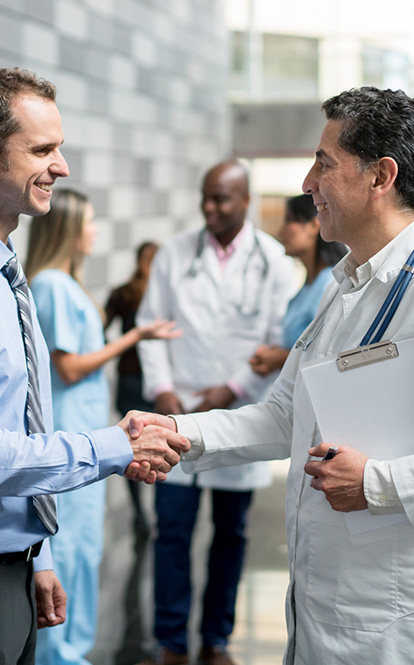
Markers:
point(122, 304)
point(301, 238)
point(73, 328)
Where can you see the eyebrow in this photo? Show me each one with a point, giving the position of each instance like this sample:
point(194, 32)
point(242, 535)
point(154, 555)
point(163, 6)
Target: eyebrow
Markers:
point(42, 146)
point(321, 153)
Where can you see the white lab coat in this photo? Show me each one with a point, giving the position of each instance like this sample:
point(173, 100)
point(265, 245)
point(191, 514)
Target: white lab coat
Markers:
point(354, 602)
point(218, 339)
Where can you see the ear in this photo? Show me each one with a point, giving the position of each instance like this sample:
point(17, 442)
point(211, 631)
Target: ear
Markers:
point(386, 171)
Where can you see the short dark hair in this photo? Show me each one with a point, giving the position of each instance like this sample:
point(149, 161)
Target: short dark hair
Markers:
point(15, 82)
point(378, 123)
point(303, 210)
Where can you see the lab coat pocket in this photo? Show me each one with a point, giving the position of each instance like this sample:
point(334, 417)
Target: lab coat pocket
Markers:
point(355, 586)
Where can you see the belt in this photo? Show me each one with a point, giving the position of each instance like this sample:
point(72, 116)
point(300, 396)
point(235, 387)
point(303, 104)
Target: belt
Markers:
point(8, 558)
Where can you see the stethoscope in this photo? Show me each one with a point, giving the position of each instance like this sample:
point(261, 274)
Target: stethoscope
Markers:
point(243, 308)
point(383, 318)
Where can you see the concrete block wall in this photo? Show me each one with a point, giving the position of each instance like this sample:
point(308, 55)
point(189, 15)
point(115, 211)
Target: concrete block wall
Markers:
point(142, 92)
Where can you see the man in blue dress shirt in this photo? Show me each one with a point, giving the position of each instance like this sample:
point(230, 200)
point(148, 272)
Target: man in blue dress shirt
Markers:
point(41, 464)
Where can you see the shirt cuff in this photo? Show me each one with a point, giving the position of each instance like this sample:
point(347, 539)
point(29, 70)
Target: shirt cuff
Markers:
point(45, 560)
point(236, 389)
point(379, 489)
point(113, 450)
point(188, 427)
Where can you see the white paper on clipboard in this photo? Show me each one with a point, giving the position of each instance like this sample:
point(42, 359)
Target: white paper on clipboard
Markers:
point(369, 408)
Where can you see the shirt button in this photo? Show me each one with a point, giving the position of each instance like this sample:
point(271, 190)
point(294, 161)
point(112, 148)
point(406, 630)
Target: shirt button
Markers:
point(382, 498)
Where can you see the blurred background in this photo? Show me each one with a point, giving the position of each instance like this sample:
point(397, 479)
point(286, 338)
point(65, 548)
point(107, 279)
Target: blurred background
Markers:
point(154, 92)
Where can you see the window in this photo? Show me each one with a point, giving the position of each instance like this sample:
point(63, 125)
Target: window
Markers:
point(385, 68)
point(286, 67)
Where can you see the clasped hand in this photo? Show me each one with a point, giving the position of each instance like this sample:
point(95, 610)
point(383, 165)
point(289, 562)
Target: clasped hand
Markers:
point(155, 444)
point(340, 478)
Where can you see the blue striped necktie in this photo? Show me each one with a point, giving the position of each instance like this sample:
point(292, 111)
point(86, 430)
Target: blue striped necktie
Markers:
point(44, 505)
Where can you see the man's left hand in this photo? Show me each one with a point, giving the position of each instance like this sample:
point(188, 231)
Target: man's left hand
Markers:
point(340, 478)
point(50, 599)
point(218, 397)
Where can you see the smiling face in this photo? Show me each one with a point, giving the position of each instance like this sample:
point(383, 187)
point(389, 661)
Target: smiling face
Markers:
point(31, 161)
point(225, 200)
point(341, 191)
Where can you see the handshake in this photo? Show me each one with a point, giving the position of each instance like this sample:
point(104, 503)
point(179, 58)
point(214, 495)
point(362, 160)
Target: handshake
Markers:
point(155, 444)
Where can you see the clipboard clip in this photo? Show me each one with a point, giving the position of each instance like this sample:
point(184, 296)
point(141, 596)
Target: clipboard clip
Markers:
point(365, 355)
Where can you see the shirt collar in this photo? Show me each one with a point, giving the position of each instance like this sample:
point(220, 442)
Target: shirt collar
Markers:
point(226, 252)
point(6, 252)
point(384, 265)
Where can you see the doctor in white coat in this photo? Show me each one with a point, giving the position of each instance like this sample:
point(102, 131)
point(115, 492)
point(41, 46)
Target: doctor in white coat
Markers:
point(351, 599)
point(227, 287)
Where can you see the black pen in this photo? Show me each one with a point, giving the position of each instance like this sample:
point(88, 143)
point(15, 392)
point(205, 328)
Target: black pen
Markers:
point(330, 453)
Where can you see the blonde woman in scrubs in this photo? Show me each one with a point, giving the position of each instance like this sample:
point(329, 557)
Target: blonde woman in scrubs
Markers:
point(73, 328)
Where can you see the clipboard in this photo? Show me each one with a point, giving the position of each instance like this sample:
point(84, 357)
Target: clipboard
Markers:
point(363, 399)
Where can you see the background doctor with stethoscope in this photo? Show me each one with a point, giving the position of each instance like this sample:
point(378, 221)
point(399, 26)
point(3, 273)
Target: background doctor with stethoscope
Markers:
point(227, 287)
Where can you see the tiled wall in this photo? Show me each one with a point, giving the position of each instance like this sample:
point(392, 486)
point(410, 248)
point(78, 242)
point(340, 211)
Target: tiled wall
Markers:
point(142, 91)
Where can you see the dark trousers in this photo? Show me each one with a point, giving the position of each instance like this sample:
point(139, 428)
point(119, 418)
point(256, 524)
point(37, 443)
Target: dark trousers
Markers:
point(177, 508)
point(17, 614)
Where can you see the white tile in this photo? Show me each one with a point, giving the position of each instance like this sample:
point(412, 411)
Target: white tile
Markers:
point(153, 228)
point(179, 90)
point(122, 202)
point(39, 42)
point(163, 27)
point(75, 128)
point(102, 6)
point(120, 266)
point(133, 108)
point(144, 49)
point(163, 174)
point(99, 132)
point(71, 19)
point(72, 90)
point(98, 168)
point(182, 201)
point(122, 71)
point(103, 242)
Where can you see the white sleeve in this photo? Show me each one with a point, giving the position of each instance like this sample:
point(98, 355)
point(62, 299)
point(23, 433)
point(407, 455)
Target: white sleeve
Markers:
point(156, 303)
point(379, 489)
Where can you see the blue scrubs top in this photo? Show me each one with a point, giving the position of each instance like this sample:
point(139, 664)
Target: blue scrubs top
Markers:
point(71, 322)
point(302, 308)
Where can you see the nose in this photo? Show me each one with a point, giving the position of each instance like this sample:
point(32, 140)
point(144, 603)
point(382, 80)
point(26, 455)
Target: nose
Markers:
point(59, 166)
point(310, 184)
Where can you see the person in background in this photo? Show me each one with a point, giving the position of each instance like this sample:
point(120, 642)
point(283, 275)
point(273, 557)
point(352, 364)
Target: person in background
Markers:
point(227, 285)
point(73, 328)
point(122, 304)
point(301, 239)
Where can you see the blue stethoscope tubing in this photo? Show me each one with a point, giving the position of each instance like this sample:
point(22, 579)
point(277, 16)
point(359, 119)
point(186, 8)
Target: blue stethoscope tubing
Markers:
point(197, 264)
point(385, 314)
point(389, 307)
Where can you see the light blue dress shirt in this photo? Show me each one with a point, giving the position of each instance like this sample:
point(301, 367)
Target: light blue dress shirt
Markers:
point(40, 463)
point(303, 307)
